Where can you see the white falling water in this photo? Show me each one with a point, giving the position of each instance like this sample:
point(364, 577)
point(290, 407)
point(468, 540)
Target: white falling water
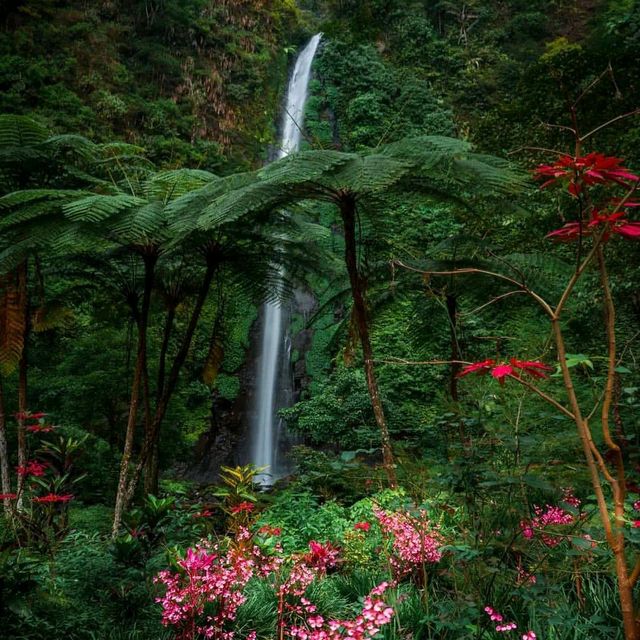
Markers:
point(273, 359)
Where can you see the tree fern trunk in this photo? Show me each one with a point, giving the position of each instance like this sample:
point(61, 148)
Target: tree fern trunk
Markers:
point(122, 497)
point(152, 464)
point(5, 481)
point(358, 292)
point(153, 439)
point(22, 381)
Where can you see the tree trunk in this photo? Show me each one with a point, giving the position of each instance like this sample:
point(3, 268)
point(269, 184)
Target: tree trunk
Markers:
point(358, 291)
point(22, 382)
point(152, 463)
point(5, 481)
point(136, 384)
point(169, 387)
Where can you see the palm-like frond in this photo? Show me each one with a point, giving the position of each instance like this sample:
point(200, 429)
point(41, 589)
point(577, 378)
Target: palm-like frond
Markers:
point(170, 185)
point(99, 207)
point(367, 174)
point(20, 131)
point(139, 225)
point(253, 198)
point(306, 166)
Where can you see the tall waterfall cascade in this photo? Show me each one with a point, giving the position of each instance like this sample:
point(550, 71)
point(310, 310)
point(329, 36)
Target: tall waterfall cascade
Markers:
point(274, 385)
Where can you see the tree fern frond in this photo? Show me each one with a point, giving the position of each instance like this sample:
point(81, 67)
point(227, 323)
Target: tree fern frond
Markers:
point(96, 208)
point(426, 151)
point(71, 143)
point(20, 131)
point(305, 166)
point(256, 197)
point(367, 174)
point(138, 224)
point(172, 184)
point(544, 272)
point(184, 211)
point(17, 198)
point(481, 174)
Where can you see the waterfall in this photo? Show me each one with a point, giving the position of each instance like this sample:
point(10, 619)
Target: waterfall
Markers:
point(274, 383)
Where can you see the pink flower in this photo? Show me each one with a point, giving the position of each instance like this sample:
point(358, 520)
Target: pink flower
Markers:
point(636, 524)
point(529, 635)
point(549, 516)
point(636, 505)
point(494, 616)
point(415, 541)
point(362, 526)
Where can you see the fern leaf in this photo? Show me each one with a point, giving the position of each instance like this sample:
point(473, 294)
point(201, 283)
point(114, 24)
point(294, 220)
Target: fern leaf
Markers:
point(96, 208)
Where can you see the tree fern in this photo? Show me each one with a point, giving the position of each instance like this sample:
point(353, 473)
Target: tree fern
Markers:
point(20, 131)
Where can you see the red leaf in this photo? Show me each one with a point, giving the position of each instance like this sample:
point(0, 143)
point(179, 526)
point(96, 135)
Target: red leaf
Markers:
point(630, 230)
point(477, 367)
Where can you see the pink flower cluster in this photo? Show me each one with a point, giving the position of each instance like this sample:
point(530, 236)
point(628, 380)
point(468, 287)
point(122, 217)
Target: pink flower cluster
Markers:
point(374, 615)
point(549, 516)
point(415, 540)
point(207, 577)
point(505, 627)
point(203, 596)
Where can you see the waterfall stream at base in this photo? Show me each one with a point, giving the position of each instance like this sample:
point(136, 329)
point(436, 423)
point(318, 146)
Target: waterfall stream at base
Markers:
point(273, 379)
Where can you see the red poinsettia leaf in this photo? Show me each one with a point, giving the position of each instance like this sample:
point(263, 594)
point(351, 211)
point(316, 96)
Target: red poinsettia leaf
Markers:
point(622, 174)
point(531, 367)
point(502, 371)
point(567, 233)
point(575, 188)
point(477, 367)
point(630, 230)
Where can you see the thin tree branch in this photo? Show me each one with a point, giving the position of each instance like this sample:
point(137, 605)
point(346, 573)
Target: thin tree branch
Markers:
point(493, 301)
point(547, 398)
point(546, 307)
point(609, 122)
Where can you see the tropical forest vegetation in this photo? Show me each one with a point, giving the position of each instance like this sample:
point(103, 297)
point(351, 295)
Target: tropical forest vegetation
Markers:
point(317, 319)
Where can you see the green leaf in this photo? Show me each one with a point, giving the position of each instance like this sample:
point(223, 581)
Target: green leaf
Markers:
point(578, 359)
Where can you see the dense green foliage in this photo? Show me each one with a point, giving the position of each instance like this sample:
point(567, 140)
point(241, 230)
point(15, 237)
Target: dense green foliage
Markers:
point(135, 109)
